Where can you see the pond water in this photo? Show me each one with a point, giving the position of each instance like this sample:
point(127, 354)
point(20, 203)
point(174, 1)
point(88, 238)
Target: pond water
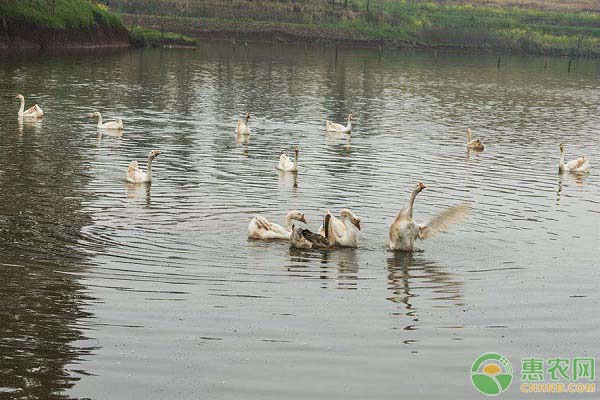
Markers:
point(148, 292)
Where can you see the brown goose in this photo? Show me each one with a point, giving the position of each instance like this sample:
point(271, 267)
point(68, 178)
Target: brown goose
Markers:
point(305, 239)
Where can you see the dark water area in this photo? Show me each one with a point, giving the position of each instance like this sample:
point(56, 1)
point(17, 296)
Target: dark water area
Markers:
point(111, 290)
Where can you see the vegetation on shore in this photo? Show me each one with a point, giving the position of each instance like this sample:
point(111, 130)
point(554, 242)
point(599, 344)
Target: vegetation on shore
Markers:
point(551, 27)
point(147, 37)
point(58, 14)
point(27, 17)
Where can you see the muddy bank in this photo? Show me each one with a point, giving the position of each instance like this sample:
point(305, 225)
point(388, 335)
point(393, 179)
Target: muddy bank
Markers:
point(261, 32)
point(14, 34)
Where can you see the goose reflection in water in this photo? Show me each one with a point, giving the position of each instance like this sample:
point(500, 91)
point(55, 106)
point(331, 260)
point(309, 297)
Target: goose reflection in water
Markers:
point(410, 277)
point(287, 178)
point(22, 123)
point(339, 264)
point(117, 134)
point(578, 179)
point(471, 153)
point(343, 141)
point(135, 191)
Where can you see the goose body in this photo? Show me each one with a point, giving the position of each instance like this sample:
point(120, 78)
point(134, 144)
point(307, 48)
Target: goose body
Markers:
point(286, 163)
point(34, 111)
point(335, 127)
point(136, 175)
point(343, 231)
point(404, 231)
point(261, 228)
point(579, 165)
point(473, 144)
point(305, 239)
point(242, 127)
point(109, 125)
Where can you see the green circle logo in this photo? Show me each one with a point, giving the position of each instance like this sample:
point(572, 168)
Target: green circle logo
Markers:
point(491, 374)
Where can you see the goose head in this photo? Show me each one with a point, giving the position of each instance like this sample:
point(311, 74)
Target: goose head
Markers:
point(350, 118)
point(346, 213)
point(95, 114)
point(297, 215)
point(420, 187)
point(247, 116)
point(153, 154)
point(562, 147)
point(296, 150)
point(20, 96)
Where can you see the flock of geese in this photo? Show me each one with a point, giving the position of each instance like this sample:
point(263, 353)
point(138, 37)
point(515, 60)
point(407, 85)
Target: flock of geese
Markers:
point(343, 231)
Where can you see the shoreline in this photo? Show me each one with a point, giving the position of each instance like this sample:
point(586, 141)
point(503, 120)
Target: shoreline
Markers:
point(264, 32)
point(34, 37)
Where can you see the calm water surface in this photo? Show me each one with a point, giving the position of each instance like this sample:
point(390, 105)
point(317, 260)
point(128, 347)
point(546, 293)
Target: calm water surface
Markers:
point(112, 291)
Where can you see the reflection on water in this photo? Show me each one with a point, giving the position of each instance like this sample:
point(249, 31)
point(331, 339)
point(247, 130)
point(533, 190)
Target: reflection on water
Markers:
point(117, 291)
point(339, 265)
point(407, 274)
point(42, 299)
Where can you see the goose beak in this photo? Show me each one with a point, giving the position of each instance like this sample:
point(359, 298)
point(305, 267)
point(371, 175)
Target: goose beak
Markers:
point(90, 114)
point(303, 220)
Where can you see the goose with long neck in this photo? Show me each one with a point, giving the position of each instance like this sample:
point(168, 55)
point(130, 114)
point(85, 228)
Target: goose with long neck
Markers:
point(136, 175)
point(346, 234)
point(335, 127)
point(261, 228)
point(242, 126)
point(286, 164)
point(305, 239)
point(579, 165)
point(474, 144)
point(109, 125)
point(404, 231)
point(34, 111)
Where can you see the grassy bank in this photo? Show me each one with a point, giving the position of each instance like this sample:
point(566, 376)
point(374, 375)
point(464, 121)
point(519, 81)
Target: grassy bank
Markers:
point(73, 23)
point(147, 37)
point(558, 27)
point(58, 14)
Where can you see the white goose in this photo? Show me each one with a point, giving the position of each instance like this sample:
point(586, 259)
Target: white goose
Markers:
point(404, 230)
point(285, 162)
point(474, 144)
point(34, 111)
point(335, 127)
point(261, 228)
point(343, 233)
point(579, 165)
point(136, 175)
point(242, 126)
point(110, 125)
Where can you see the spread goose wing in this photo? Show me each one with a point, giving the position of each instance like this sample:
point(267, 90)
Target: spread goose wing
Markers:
point(443, 221)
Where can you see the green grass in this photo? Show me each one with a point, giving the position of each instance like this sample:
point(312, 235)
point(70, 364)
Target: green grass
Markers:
point(447, 23)
point(58, 13)
point(510, 28)
point(155, 38)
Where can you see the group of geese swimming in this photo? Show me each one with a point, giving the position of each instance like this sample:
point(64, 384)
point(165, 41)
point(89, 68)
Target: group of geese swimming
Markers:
point(343, 231)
